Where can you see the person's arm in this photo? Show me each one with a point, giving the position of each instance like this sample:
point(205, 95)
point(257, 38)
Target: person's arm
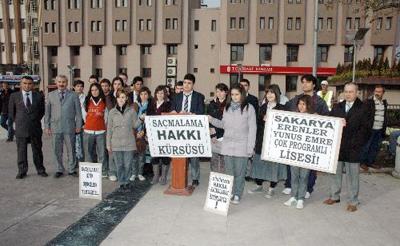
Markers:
point(47, 115)
point(11, 108)
point(41, 107)
point(106, 115)
point(109, 132)
point(216, 122)
point(78, 114)
point(251, 138)
point(201, 104)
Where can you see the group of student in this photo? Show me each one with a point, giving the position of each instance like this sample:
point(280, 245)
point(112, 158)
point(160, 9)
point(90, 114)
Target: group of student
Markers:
point(107, 126)
point(237, 130)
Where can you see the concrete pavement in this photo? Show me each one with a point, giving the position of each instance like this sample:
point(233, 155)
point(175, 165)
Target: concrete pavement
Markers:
point(160, 219)
point(35, 210)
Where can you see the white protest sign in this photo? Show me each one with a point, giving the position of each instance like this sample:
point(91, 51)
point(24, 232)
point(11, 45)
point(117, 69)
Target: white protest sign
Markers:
point(179, 136)
point(219, 193)
point(90, 180)
point(305, 140)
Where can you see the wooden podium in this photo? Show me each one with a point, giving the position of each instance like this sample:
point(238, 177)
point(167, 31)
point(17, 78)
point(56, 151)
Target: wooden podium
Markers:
point(179, 169)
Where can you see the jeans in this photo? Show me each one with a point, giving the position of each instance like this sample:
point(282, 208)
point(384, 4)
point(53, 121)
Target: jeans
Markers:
point(58, 146)
point(123, 161)
point(217, 163)
point(299, 182)
point(7, 124)
point(138, 163)
point(194, 168)
point(353, 180)
point(95, 146)
point(393, 142)
point(236, 167)
point(79, 152)
point(371, 149)
point(312, 177)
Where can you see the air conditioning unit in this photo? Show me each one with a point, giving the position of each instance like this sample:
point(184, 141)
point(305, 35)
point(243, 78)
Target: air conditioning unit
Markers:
point(171, 61)
point(171, 81)
point(171, 71)
point(53, 65)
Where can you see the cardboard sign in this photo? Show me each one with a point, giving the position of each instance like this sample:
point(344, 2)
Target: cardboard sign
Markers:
point(305, 140)
point(219, 193)
point(90, 180)
point(179, 136)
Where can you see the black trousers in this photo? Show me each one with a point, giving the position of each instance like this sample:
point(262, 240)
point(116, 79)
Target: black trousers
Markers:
point(22, 149)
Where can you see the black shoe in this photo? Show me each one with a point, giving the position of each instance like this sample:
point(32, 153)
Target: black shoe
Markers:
point(20, 175)
point(73, 174)
point(195, 183)
point(9, 140)
point(58, 174)
point(43, 174)
point(248, 179)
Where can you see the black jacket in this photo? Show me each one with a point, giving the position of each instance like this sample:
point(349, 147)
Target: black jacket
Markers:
point(27, 122)
point(214, 109)
point(356, 132)
point(253, 101)
point(196, 106)
point(4, 100)
point(261, 125)
point(371, 110)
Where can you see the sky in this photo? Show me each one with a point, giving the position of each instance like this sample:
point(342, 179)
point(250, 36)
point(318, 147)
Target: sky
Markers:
point(212, 3)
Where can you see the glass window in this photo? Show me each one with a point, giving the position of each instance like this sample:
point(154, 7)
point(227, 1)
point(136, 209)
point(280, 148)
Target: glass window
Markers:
point(292, 53)
point(237, 53)
point(291, 83)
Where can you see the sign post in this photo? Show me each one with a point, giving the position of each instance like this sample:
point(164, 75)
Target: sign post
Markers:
point(90, 180)
point(305, 140)
point(179, 137)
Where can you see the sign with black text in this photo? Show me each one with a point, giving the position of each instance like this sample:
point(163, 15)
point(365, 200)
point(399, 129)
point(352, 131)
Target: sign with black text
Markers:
point(179, 136)
point(90, 180)
point(219, 193)
point(305, 140)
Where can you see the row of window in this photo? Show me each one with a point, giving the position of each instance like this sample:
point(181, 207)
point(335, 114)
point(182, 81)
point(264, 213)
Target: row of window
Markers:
point(98, 4)
point(13, 47)
point(213, 25)
point(12, 23)
point(292, 52)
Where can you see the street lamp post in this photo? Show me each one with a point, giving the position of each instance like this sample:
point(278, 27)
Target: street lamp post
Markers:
point(239, 66)
point(71, 69)
point(360, 34)
point(315, 39)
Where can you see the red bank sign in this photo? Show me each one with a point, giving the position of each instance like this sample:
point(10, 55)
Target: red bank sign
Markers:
point(322, 71)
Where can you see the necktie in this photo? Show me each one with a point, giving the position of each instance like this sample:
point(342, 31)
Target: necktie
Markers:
point(62, 96)
point(348, 107)
point(186, 105)
point(28, 101)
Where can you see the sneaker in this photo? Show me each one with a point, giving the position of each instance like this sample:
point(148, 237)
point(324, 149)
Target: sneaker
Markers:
point(105, 176)
point(235, 200)
point(287, 191)
point(141, 178)
point(257, 189)
point(132, 178)
point(290, 202)
point(112, 178)
point(300, 204)
point(270, 193)
point(308, 195)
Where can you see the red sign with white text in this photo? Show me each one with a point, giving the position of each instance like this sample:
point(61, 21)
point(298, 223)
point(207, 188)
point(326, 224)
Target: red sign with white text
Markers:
point(322, 71)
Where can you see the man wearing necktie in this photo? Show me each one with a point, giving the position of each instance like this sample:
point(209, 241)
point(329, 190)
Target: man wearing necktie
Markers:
point(357, 125)
point(26, 109)
point(63, 119)
point(190, 101)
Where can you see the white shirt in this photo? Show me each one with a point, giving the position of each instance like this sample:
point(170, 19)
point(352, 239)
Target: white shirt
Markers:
point(348, 106)
point(379, 114)
point(135, 96)
point(25, 94)
point(189, 101)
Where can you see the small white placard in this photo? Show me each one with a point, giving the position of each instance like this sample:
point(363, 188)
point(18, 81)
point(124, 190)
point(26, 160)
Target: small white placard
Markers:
point(90, 180)
point(219, 193)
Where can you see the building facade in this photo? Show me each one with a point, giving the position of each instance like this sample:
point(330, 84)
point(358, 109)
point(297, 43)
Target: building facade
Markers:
point(19, 36)
point(266, 41)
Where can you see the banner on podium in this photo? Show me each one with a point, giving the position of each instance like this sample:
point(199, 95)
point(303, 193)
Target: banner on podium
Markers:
point(90, 180)
point(178, 136)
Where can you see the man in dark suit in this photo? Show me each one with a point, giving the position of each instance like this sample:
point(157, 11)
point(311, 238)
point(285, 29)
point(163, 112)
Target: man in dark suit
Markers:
point(190, 101)
point(26, 109)
point(357, 126)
